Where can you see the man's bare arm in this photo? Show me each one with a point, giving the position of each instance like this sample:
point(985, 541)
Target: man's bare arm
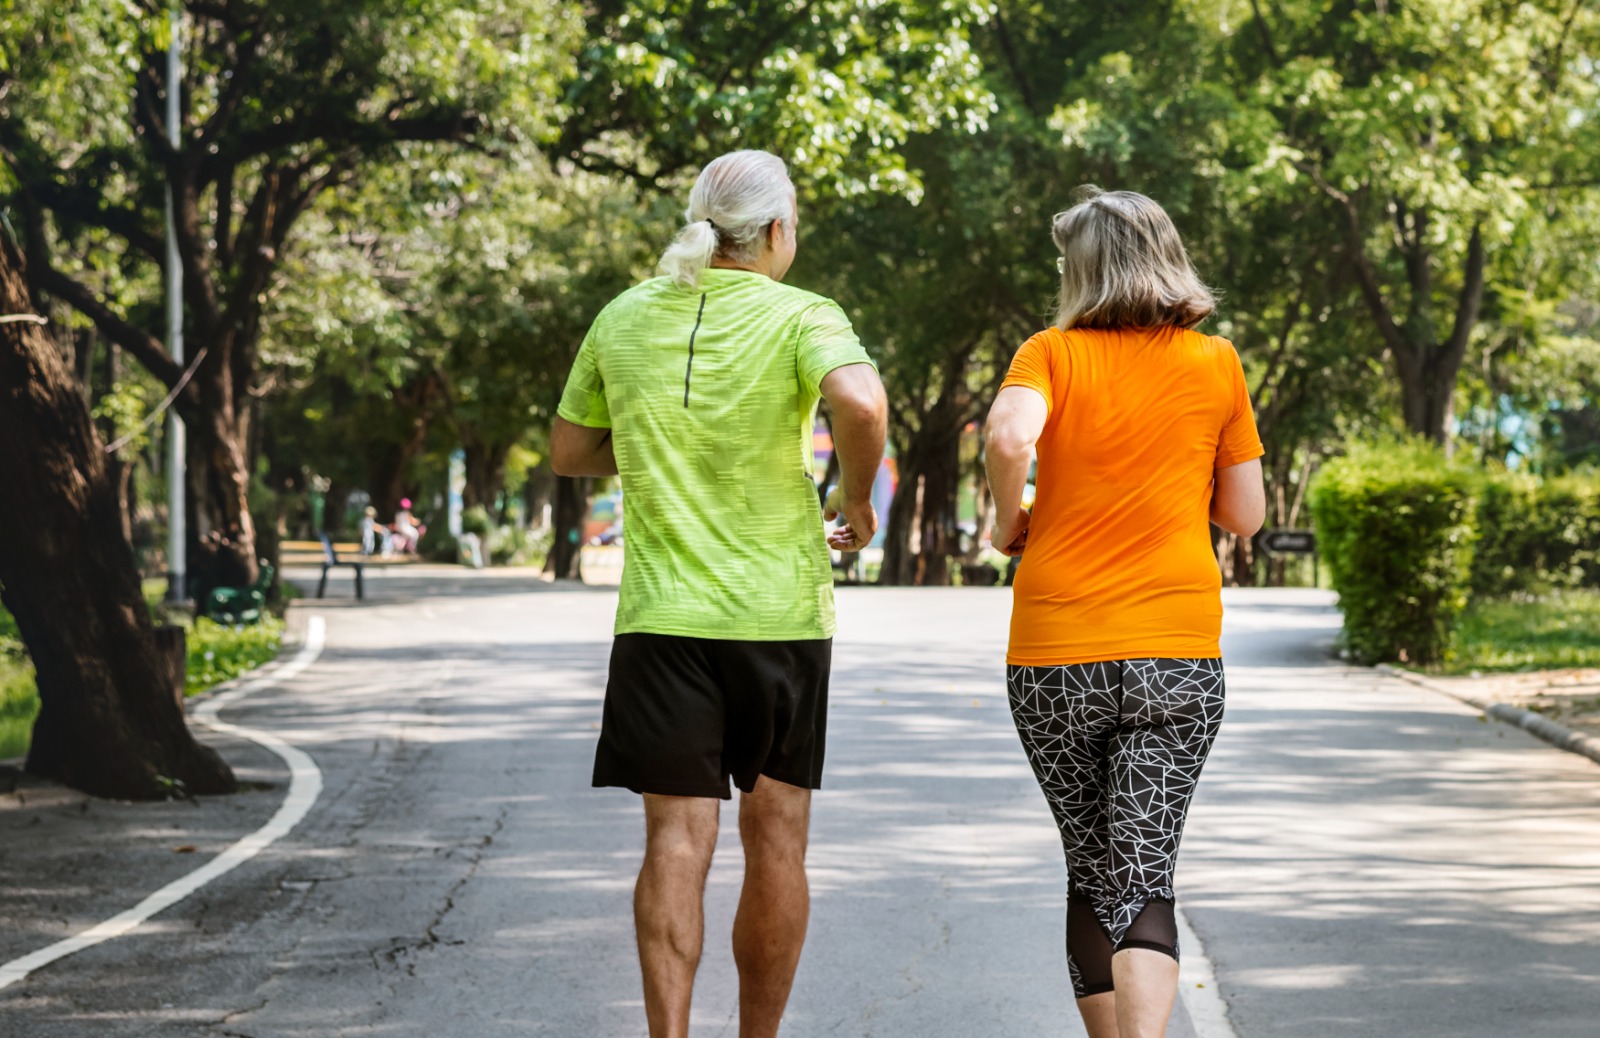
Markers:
point(580, 450)
point(860, 426)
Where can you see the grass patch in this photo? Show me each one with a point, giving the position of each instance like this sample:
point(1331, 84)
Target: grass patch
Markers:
point(19, 700)
point(1547, 633)
point(216, 654)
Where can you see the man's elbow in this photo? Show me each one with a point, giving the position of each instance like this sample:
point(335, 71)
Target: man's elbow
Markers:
point(867, 407)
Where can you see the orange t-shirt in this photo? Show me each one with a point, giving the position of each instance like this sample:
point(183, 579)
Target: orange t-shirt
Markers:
point(1119, 563)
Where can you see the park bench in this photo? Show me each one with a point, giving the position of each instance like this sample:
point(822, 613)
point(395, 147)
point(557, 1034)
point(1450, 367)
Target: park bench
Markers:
point(331, 560)
point(240, 605)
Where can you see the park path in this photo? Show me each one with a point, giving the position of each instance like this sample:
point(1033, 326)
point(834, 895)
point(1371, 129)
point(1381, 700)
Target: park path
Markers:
point(1365, 857)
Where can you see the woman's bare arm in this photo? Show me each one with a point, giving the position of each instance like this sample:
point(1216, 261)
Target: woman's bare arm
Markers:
point(1239, 503)
point(1015, 422)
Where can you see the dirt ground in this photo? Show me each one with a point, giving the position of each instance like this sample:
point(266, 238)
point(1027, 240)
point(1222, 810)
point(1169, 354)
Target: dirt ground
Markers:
point(1570, 696)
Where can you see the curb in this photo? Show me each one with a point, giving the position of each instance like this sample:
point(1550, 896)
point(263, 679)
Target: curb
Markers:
point(1552, 732)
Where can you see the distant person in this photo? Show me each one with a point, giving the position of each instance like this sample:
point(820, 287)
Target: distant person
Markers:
point(407, 531)
point(699, 388)
point(376, 539)
point(1144, 432)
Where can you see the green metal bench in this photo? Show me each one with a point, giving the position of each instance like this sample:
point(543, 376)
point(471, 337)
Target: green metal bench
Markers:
point(241, 605)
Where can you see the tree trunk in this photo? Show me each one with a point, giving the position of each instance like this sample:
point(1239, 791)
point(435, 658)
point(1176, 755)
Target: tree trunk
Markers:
point(486, 476)
point(107, 723)
point(925, 502)
point(537, 493)
point(899, 566)
point(571, 511)
point(1427, 393)
point(941, 485)
point(222, 535)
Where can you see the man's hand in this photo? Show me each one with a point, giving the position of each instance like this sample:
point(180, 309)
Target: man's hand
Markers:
point(1010, 538)
point(860, 521)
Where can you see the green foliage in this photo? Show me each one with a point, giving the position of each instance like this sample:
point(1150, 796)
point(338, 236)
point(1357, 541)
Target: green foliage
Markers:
point(438, 545)
point(1536, 534)
point(1558, 630)
point(19, 700)
point(1395, 524)
point(476, 520)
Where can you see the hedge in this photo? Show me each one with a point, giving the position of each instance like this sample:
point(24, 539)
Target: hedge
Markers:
point(1537, 535)
point(1396, 524)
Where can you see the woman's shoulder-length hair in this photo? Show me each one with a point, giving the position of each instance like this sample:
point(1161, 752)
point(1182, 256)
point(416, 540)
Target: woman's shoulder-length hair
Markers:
point(1124, 266)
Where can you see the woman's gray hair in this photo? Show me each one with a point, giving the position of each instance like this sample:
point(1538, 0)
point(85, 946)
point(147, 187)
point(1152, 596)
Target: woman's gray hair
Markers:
point(1124, 266)
point(734, 200)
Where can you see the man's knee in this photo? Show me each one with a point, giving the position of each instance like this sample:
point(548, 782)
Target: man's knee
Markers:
point(681, 832)
point(774, 820)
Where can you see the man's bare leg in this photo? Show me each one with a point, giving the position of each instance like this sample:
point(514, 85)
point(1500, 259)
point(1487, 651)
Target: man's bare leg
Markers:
point(669, 905)
point(775, 904)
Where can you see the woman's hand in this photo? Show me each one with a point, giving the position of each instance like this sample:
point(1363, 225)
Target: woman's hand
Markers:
point(1009, 538)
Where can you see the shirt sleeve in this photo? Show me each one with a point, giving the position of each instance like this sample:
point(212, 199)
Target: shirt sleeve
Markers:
point(827, 342)
point(583, 402)
point(1239, 442)
point(1031, 368)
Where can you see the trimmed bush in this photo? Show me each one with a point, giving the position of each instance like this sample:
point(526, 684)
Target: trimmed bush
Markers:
point(1536, 536)
point(1396, 525)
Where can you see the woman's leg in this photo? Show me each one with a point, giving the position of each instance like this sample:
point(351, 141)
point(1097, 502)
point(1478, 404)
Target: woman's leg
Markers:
point(1171, 710)
point(1065, 717)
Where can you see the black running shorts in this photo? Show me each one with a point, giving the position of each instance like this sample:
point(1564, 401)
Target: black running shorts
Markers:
point(682, 715)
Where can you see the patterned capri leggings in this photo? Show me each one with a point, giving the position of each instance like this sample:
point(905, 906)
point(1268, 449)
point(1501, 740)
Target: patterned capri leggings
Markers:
point(1117, 748)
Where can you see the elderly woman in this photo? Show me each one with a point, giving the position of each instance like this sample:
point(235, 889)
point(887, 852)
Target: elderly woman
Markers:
point(1144, 435)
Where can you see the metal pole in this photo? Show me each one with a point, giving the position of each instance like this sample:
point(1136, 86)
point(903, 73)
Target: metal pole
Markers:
point(177, 532)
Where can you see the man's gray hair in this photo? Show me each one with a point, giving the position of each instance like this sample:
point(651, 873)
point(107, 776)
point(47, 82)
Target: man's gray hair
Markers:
point(1124, 266)
point(734, 200)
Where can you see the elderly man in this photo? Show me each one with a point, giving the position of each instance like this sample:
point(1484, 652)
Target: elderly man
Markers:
point(698, 388)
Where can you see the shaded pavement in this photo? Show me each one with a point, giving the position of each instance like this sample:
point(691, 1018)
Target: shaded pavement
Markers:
point(1365, 857)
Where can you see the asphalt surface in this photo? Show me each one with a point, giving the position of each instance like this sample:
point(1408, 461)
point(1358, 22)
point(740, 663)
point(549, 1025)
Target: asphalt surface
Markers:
point(1365, 857)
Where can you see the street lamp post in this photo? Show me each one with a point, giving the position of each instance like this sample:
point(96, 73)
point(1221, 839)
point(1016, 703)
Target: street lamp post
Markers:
point(177, 533)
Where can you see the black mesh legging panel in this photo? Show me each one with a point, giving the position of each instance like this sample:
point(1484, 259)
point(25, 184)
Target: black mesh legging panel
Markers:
point(1089, 948)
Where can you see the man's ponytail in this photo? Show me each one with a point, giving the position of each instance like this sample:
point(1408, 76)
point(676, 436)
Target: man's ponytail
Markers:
point(736, 198)
point(690, 252)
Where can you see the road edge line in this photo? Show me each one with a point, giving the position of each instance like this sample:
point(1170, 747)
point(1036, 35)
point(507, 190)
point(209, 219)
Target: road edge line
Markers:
point(305, 786)
point(1553, 732)
point(1197, 981)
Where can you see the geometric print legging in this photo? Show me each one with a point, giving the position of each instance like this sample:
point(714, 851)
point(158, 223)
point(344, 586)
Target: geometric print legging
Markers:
point(1117, 748)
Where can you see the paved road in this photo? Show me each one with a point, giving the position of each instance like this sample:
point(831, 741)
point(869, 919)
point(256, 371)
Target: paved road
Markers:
point(1365, 858)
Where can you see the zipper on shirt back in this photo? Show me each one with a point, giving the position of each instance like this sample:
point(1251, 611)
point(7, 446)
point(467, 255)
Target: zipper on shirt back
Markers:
point(689, 368)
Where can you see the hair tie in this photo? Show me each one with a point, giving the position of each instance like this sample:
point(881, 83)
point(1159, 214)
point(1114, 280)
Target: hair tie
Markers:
point(712, 223)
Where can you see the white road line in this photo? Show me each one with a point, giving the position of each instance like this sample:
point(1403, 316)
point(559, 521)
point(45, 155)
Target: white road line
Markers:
point(305, 784)
point(1197, 983)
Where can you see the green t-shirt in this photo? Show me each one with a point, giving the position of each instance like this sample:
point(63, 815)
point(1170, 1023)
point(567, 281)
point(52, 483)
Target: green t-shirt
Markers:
point(711, 394)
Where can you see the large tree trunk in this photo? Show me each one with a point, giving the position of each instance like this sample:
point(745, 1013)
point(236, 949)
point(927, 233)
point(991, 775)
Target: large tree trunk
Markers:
point(108, 723)
point(925, 501)
point(1427, 392)
point(222, 534)
point(571, 509)
point(941, 485)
